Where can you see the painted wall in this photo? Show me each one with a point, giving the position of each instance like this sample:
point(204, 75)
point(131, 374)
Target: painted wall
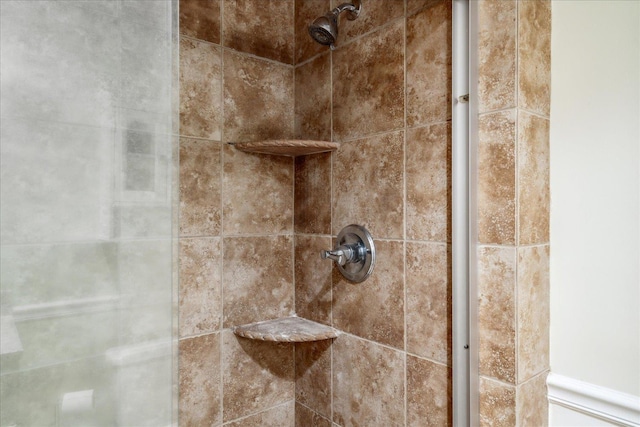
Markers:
point(595, 121)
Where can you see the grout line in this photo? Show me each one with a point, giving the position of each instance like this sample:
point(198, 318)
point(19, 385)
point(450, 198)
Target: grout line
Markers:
point(517, 198)
point(312, 410)
point(199, 335)
point(405, 217)
point(222, 221)
point(511, 246)
point(261, 411)
point(495, 380)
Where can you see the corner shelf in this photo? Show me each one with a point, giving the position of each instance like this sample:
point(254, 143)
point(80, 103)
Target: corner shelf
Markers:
point(287, 147)
point(286, 329)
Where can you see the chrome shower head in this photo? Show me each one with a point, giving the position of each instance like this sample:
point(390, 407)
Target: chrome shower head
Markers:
point(324, 29)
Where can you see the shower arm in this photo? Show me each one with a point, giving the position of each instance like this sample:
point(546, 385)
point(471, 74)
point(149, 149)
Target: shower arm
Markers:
point(352, 9)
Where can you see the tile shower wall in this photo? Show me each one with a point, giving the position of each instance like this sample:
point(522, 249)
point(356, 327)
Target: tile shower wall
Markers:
point(513, 211)
point(236, 211)
point(245, 219)
point(384, 94)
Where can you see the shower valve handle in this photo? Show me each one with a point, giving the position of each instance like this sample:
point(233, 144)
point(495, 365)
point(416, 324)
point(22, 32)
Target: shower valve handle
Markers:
point(341, 255)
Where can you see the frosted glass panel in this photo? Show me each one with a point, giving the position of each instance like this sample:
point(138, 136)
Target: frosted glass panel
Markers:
point(86, 206)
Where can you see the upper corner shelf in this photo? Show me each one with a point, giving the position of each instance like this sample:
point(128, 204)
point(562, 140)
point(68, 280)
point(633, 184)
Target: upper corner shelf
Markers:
point(286, 329)
point(287, 147)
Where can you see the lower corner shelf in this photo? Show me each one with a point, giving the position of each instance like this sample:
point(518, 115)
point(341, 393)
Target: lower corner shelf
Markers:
point(286, 329)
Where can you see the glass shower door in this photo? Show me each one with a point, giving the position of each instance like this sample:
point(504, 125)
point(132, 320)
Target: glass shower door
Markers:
point(87, 193)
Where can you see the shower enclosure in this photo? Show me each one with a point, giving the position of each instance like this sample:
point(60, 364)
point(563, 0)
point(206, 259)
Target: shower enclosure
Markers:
point(86, 214)
point(110, 198)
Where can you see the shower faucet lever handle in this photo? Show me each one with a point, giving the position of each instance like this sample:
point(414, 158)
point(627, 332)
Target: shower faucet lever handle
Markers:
point(340, 255)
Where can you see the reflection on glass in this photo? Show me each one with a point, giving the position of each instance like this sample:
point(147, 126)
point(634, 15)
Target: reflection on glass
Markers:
point(85, 221)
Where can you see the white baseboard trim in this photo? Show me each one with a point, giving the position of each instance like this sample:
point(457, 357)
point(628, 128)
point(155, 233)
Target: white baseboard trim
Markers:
point(599, 402)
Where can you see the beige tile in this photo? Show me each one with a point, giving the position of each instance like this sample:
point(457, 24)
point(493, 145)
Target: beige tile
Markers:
point(368, 384)
point(312, 197)
point(429, 65)
point(428, 175)
point(414, 6)
point(200, 89)
point(534, 56)
point(263, 28)
point(533, 179)
point(532, 406)
point(306, 11)
point(258, 279)
point(374, 14)
point(374, 309)
point(497, 404)
point(533, 311)
point(428, 272)
point(199, 381)
point(278, 416)
point(429, 399)
point(258, 99)
point(257, 193)
point(496, 313)
point(200, 192)
point(305, 417)
point(313, 99)
point(200, 19)
point(496, 54)
point(313, 278)
point(200, 285)
point(313, 376)
point(368, 84)
point(257, 375)
point(368, 185)
point(497, 178)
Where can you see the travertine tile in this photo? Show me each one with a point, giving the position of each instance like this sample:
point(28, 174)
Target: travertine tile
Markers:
point(200, 89)
point(305, 417)
point(496, 313)
point(256, 375)
point(200, 192)
point(313, 278)
point(368, 384)
point(428, 175)
point(313, 99)
point(306, 11)
point(257, 193)
point(367, 185)
point(263, 28)
point(497, 404)
point(429, 399)
point(428, 272)
point(278, 416)
point(374, 309)
point(258, 279)
point(414, 6)
point(313, 376)
point(374, 13)
point(200, 285)
point(497, 178)
point(534, 56)
point(532, 406)
point(533, 311)
point(533, 179)
point(312, 197)
point(200, 380)
point(258, 99)
point(200, 19)
point(429, 65)
point(368, 84)
point(496, 54)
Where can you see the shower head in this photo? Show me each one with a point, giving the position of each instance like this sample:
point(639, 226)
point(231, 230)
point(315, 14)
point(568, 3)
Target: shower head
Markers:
point(324, 29)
